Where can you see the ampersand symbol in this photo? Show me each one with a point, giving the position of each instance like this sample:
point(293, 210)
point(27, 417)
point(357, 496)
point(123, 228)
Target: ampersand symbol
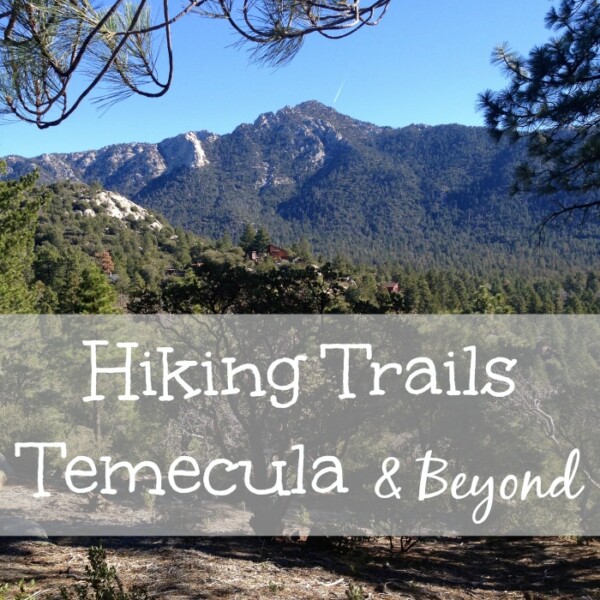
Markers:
point(389, 467)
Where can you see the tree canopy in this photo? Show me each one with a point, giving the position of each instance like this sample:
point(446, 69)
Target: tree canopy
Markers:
point(18, 217)
point(53, 54)
point(553, 102)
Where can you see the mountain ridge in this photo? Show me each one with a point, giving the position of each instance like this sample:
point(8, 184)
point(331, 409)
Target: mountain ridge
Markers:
point(74, 165)
point(427, 195)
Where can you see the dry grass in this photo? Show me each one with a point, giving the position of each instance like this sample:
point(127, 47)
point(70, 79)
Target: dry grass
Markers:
point(253, 568)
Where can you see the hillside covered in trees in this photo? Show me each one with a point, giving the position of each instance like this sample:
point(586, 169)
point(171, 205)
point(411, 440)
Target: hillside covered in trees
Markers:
point(94, 251)
point(424, 197)
point(75, 248)
point(86, 250)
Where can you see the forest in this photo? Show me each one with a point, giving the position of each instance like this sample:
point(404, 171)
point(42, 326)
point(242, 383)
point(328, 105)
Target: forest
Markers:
point(65, 252)
point(101, 264)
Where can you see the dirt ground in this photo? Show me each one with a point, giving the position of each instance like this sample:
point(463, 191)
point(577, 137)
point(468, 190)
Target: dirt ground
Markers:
point(244, 568)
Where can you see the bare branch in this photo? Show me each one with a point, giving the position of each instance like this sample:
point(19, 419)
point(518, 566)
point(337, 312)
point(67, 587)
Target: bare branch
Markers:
point(49, 47)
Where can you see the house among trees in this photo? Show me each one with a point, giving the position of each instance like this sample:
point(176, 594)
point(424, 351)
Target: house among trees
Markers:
point(391, 287)
point(275, 252)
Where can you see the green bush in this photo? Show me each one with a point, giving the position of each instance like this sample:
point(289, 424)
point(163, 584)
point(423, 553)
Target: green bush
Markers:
point(103, 583)
point(17, 591)
point(355, 592)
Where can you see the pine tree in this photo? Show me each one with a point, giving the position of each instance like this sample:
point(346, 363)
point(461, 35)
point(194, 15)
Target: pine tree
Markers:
point(48, 46)
point(262, 239)
point(552, 102)
point(225, 243)
point(105, 261)
point(303, 250)
point(95, 295)
point(18, 218)
point(484, 302)
point(247, 239)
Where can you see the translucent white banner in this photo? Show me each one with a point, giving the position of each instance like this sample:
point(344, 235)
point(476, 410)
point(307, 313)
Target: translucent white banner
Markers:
point(336, 425)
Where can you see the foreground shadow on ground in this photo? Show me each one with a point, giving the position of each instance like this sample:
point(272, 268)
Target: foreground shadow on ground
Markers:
point(536, 567)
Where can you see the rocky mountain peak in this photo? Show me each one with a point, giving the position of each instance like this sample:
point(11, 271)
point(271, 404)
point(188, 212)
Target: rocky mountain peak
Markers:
point(183, 151)
point(321, 120)
point(281, 148)
point(314, 109)
point(308, 112)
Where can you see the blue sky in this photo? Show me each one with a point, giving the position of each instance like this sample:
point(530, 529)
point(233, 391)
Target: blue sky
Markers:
point(425, 63)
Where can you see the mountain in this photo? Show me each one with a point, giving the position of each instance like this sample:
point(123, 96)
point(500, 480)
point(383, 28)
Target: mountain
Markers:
point(80, 224)
point(421, 195)
point(126, 168)
point(304, 133)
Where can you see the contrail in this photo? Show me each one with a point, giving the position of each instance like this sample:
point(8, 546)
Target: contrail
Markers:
point(339, 91)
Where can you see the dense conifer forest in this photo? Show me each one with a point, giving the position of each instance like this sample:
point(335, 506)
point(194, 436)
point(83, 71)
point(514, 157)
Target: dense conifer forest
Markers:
point(101, 263)
point(70, 248)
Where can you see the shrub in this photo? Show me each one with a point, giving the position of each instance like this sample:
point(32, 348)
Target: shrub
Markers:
point(103, 583)
point(18, 591)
